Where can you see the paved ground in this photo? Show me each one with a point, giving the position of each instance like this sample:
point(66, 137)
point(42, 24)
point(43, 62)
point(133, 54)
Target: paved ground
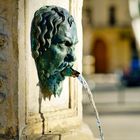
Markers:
point(119, 112)
point(117, 127)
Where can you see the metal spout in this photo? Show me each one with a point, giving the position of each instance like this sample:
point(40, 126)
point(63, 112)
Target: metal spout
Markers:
point(70, 72)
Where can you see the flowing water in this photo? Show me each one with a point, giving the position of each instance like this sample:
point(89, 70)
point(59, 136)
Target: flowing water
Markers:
point(85, 85)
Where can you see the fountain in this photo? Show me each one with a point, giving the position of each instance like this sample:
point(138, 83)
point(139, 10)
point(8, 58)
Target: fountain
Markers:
point(53, 36)
point(54, 107)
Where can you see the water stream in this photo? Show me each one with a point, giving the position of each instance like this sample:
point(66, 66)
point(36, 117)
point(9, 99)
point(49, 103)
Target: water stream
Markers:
point(90, 95)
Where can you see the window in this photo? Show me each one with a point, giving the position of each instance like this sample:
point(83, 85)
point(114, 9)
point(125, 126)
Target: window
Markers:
point(112, 16)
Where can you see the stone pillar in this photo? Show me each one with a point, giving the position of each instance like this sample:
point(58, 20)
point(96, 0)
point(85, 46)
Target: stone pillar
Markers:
point(8, 69)
point(19, 93)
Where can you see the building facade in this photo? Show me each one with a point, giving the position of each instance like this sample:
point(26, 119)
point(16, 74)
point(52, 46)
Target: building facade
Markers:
point(108, 36)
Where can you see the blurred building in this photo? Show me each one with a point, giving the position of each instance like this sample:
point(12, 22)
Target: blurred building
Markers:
point(109, 44)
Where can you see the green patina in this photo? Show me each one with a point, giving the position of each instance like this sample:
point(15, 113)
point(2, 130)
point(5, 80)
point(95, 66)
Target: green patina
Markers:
point(53, 36)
